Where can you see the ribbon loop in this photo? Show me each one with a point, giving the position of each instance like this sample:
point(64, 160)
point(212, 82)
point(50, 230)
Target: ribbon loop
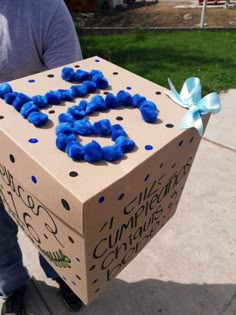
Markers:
point(190, 98)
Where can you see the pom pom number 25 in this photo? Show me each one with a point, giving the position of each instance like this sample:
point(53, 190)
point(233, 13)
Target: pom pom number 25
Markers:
point(74, 121)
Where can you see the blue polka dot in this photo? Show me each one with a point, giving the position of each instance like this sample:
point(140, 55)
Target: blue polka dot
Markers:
point(129, 88)
point(97, 60)
point(33, 140)
point(34, 179)
point(101, 199)
point(148, 147)
point(31, 81)
point(146, 178)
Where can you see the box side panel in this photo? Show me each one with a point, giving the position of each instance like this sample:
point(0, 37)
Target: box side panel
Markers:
point(61, 246)
point(134, 209)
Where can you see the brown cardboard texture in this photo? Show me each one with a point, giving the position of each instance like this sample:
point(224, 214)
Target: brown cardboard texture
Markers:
point(90, 220)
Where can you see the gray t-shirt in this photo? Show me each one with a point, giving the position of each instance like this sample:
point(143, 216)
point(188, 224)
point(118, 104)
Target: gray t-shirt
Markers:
point(35, 35)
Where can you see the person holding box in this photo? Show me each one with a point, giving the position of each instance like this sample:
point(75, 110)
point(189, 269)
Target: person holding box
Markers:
point(34, 36)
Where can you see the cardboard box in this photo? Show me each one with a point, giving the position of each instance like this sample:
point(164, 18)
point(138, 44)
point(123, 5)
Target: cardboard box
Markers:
point(90, 220)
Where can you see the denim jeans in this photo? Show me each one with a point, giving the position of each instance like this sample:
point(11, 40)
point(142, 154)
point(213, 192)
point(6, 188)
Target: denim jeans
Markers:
point(13, 273)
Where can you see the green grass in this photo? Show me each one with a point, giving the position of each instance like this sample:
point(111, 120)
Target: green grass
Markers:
point(210, 56)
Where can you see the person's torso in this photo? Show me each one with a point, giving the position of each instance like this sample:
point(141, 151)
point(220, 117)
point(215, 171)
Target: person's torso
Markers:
point(21, 38)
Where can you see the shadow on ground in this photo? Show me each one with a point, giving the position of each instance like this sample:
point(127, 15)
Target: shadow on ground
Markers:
point(150, 297)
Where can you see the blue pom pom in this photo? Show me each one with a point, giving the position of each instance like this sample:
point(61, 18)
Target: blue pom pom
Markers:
point(54, 97)
point(4, 89)
point(79, 90)
point(65, 128)
point(148, 111)
point(124, 98)
point(76, 112)
point(81, 75)
point(9, 97)
point(68, 74)
point(90, 86)
point(93, 152)
point(66, 95)
point(111, 101)
point(117, 131)
point(75, 150)
point(91, 107)
point(102, 128)
point(20, 100)
point(62, 118)
point(37, 119)
point(83, 127)
point(96, 72)
point(112, 153)
point(40, 101)
point(97, 103)
point(138, 100)
point(100, 81)
point(82, 105)
point(126, 144)
point(62, 140)
point(28, 108)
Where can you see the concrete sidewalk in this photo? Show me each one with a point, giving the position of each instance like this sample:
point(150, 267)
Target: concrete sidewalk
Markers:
point(189, 268)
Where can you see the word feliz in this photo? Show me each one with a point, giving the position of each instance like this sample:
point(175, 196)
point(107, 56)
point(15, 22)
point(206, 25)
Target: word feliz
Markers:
point(74, 123)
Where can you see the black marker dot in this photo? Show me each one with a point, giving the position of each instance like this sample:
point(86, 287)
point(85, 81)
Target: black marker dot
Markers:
point(119, 118)
point(52, 111)
point(169, 125)
point(65, 204)
point(115, 73)
point(78, 277)
point(97, 290)
point(129, 88)
point(1, 117)
point(73, 283)
point(161, 165)
point(77, 66)
point(146, 178)
point(191, 140)
point(158, 93)
point(64, 278)
point(12, 159)
point(96, 280)
point(73, 174)
point(50, 75)
point(77, 259)
point(105, 93)
point(45, 236)
point(91, 268)
point(121, 196)
point(71, 239)
point(173, 165)
point(181, 142)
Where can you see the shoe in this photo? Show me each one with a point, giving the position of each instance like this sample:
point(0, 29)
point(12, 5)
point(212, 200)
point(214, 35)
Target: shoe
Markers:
point(71, 301)
point(14, 305)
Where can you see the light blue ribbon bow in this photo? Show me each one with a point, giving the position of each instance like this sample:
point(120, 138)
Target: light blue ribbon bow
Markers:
point(190, 97)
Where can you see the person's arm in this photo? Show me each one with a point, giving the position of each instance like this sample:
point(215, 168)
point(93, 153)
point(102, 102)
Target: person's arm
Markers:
point(61, 45)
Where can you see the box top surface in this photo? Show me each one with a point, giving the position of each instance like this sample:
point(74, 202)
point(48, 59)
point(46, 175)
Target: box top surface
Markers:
point(92, 178)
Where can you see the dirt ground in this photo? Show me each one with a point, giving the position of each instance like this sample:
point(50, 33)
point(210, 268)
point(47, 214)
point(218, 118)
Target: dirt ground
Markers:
point(172, 14)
